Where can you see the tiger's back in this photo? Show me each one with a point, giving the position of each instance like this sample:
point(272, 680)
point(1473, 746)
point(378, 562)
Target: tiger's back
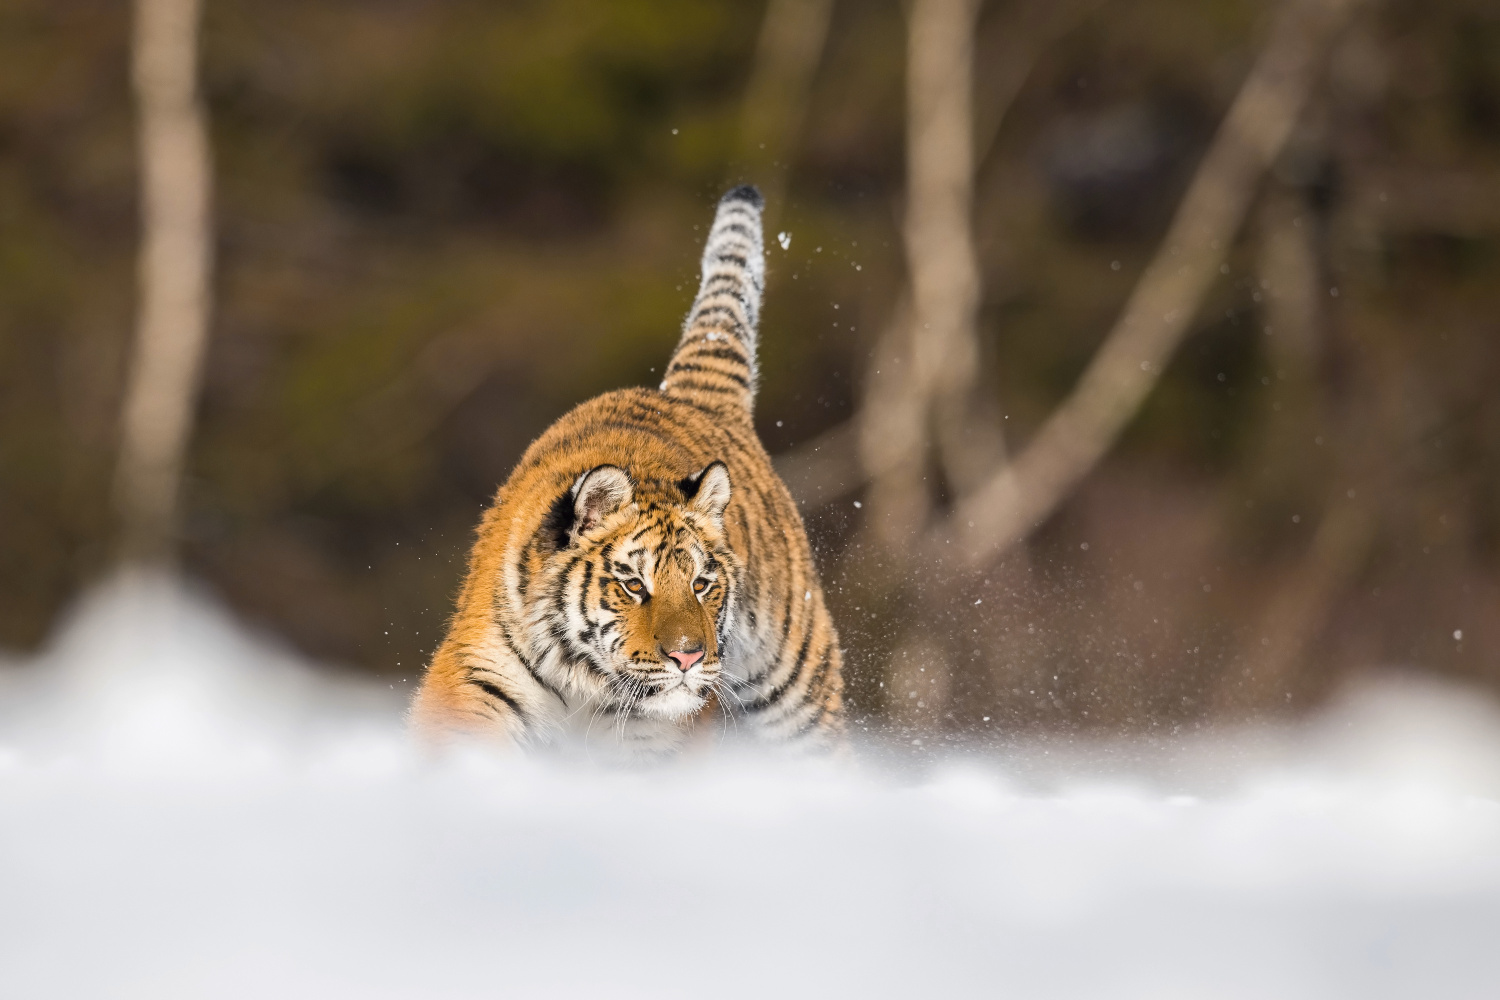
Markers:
point(644, 556)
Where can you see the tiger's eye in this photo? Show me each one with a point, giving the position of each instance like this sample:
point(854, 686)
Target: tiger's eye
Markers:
point(635, 586)
point(700, 585)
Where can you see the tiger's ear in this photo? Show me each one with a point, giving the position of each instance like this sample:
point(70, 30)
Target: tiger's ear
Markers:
point(708, 490)
point(597, 494)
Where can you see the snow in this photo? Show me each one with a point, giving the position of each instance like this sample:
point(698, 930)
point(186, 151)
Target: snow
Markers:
point(188, 811)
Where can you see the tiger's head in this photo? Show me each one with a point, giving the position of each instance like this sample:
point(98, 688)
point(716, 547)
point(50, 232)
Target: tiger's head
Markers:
point(638, 593)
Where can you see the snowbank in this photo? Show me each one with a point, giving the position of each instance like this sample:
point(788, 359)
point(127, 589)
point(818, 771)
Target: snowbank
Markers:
point(187, 812)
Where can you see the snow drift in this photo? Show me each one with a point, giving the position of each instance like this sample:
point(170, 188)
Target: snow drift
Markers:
point(186, 811)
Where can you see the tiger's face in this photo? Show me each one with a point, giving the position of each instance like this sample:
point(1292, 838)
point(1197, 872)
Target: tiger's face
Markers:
point(641, 593)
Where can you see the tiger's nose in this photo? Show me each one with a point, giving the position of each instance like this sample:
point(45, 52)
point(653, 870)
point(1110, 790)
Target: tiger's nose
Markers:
point(685, 660)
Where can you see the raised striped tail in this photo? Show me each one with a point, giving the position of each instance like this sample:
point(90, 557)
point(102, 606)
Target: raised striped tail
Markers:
point(714, 364)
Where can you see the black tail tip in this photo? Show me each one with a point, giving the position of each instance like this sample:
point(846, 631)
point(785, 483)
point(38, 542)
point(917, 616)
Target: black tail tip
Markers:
point(747, 193)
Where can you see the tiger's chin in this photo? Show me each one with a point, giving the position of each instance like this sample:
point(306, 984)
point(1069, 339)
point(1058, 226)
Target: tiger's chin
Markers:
point(674, 705)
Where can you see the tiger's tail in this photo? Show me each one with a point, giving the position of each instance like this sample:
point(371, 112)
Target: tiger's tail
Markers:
point(714, 364)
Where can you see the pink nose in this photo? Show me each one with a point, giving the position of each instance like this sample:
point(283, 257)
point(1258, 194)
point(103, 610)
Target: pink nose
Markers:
point(685, 661)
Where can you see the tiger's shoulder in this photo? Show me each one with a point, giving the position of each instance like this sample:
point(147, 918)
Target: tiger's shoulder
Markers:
point(647, 432)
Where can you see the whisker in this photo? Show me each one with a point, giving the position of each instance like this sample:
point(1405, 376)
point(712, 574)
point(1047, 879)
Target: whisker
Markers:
point(720, 688)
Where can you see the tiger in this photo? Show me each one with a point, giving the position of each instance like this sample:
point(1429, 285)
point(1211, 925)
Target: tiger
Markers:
point(643, 576)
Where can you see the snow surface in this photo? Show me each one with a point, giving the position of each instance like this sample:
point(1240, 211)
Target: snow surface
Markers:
point(186, 811)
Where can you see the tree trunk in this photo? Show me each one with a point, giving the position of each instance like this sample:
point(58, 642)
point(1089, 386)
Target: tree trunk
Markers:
point(174, 265)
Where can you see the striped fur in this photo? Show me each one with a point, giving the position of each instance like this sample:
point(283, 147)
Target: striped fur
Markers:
point(643, 523)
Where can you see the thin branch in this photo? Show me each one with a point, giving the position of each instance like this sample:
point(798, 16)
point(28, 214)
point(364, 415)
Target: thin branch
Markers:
point(1298, 612)
point(940, 354)
point(1024, 33)
point(1156, 317)
point(828, 467)
point(792, 38)
point(172, 318)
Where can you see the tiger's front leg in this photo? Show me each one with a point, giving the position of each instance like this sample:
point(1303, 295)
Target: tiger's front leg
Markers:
point(474, 693)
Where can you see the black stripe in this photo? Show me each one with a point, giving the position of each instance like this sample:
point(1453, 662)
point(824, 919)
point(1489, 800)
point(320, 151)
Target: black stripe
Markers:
point(719, 353)
point(714, 412)
point(583, 596)
point(622, 425)
point(721, 319)
point(688, 366)
point(647, 426)
point(709, 309)
point(523, 571)
point(494, 692)
point(779, 690)
point(808, 725)
point(731, 285)
point(688, 429)
point(671, 433)
point(786, 632)
point(516, 652)
point(728, 289)
point(823, 726)
point(693, 385)
point(821, 672)
point(562, 581)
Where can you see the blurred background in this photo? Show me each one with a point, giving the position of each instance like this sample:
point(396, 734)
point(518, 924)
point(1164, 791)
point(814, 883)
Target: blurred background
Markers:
point(438, 224)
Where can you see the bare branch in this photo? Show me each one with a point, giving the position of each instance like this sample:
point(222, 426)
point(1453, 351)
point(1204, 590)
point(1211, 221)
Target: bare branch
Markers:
point(173, 276)
point(792, 37)
point(1157, 315)
point(828, 468)
point(1299, 610)
point(1027, 29)
point(939, 357)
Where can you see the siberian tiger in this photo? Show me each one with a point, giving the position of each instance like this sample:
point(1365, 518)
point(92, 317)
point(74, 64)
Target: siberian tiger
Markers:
point(643, 570)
